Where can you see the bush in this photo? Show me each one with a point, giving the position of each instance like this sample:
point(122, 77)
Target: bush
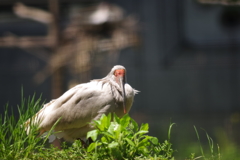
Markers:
point(123, 139)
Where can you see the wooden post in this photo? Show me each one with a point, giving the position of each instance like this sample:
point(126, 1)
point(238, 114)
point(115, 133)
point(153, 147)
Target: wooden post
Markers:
point(57, 77)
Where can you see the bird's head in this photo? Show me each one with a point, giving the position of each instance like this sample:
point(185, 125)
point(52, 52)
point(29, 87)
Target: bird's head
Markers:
point(118, 75)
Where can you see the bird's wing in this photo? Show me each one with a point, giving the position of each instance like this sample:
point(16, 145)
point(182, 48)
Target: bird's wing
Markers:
point(76, 107)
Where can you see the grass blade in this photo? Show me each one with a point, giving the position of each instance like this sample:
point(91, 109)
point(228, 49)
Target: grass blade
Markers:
point(201, 149)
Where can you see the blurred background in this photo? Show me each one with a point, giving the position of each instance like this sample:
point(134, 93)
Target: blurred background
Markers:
point(182, 55)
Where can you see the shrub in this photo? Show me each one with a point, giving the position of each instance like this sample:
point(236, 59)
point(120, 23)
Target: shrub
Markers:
point(122, 138)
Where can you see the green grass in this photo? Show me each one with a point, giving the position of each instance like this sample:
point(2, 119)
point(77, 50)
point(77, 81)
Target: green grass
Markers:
point(117, 139)
point(213, 153)
point(114, 138)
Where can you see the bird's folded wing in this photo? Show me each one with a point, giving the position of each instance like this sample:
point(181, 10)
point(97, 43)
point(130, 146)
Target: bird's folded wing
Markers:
point(76, 107)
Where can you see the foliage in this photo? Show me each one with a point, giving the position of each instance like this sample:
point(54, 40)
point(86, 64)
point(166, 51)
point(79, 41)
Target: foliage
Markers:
point(123, 139)
point(118, 139)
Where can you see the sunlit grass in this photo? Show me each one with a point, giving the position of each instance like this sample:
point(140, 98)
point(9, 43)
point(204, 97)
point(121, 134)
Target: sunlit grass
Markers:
point(16, 144)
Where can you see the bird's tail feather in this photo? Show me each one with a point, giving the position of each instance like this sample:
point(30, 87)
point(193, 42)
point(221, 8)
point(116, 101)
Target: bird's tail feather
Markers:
point(34, 121)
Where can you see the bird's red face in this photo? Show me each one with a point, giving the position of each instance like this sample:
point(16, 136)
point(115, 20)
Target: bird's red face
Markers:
point(119, 73)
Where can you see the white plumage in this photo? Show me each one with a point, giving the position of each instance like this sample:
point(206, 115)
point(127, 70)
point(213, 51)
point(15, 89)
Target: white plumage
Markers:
point(82, 104)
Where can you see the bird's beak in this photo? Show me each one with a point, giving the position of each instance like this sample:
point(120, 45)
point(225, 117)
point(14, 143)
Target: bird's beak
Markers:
point(123, 93)
point(120, 79)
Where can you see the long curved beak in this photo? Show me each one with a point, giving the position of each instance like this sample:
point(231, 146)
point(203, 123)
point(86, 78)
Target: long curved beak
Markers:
point(123, 93)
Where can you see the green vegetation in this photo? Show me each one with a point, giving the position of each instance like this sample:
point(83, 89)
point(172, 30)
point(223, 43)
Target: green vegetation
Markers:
point(123, 139)
point(113, 138)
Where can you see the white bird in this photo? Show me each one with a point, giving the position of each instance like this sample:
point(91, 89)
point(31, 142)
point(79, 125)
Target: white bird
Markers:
point(83, 104)
point(106, 13)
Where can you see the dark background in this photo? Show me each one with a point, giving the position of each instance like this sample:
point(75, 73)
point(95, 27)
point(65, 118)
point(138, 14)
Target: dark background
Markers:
point(187, 67)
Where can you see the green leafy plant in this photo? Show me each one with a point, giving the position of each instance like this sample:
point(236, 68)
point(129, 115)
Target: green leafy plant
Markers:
point(122, 138)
